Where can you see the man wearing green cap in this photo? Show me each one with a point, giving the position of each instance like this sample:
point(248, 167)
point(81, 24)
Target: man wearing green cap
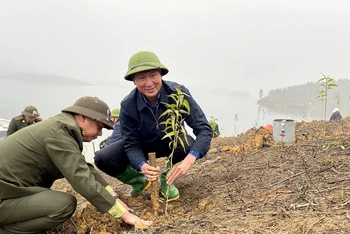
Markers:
point(33, 158)
point(29, 116)
point(142, 132)
point(116, 135)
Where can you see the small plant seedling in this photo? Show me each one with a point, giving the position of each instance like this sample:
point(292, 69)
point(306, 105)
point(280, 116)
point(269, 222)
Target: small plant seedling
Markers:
point(214, 126)
point(326, 83)
point(174, 127)
point(235, 118)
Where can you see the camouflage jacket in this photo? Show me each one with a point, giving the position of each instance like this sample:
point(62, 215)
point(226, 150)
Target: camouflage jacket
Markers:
point(18, 123)
point(33, 158)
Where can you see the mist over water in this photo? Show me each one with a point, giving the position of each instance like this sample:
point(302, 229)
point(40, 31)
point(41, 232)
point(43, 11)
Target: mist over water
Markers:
point(268, 44)
point(221, 104)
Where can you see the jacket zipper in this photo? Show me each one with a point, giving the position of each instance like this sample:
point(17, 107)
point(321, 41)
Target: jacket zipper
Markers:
point(157, 124)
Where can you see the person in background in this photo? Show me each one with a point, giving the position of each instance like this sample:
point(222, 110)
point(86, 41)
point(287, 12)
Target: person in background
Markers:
point(33, 158)
point(336, 115)
point(29, 116)
point(142, 131)
point(215, 127)
point(116, 135)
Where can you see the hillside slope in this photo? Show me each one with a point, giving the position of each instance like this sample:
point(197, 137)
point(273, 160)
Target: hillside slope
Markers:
point(248, 184)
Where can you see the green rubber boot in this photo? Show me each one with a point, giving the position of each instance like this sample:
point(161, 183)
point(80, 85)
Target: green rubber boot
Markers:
point(138, 181)
point(173, 192)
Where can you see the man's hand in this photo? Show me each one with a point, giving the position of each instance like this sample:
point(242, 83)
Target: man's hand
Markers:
point(132, 219)
point(152, 173)
point(129, 217)
point(181, 168)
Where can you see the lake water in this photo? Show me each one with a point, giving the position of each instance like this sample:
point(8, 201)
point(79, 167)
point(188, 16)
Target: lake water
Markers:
point(219, 103)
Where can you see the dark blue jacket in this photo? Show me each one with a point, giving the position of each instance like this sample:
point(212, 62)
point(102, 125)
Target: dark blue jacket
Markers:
point(141, 129)
point(116, 135)
point(336, 116)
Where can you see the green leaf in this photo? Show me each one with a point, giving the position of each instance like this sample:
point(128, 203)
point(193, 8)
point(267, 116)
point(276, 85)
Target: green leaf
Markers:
point(187, 106)
point(170, 144)
point(165, 137)
point(183, 131)
point(182, 144)
point(174, 120)
point(170, 134)
point(173, 96)
point(184, 112)
point(178, 91)
point(165, 104)
point(322, 79)
point(168, 129)
point(166, 112)
point(166, 122)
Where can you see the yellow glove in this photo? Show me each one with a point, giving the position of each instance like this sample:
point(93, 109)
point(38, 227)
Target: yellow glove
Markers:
point(109, 188)
point(117, 209)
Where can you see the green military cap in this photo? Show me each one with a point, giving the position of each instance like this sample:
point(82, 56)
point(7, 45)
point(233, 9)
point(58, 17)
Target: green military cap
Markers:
point(94, 108)
point(115, 112)
point(144, 61)
point(31, 111)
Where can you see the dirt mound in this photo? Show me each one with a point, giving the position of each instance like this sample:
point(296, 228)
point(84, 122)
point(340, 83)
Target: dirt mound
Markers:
point(248, 184)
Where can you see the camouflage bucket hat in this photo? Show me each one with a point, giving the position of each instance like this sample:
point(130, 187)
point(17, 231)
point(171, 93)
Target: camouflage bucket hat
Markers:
point(31, 111)
point(94, 108)
point(144, 61)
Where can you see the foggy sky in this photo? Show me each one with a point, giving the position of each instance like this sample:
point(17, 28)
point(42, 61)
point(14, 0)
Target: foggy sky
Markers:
point(233, 43)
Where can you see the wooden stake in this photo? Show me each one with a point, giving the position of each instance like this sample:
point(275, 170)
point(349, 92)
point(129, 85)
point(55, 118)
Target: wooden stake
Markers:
point(155, 184)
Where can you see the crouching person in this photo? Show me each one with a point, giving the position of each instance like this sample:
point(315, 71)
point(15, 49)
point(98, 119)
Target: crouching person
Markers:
point(142, 130)
point(33, 158)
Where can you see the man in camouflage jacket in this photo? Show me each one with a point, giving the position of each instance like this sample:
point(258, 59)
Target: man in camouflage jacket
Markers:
point(33, 158)
point(29, 116)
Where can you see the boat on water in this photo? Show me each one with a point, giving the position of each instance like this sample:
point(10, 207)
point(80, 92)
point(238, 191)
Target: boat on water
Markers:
point(4, 124)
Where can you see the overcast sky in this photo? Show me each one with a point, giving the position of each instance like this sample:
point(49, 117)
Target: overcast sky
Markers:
point(243, 44)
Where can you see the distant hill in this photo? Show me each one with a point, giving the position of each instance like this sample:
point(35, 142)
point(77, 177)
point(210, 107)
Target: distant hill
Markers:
point(41, 78)
point(304, 96)
point(116, 83)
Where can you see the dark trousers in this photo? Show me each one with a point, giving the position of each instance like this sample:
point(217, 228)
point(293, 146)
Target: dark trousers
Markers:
point(113, 160)
point(36, 213)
